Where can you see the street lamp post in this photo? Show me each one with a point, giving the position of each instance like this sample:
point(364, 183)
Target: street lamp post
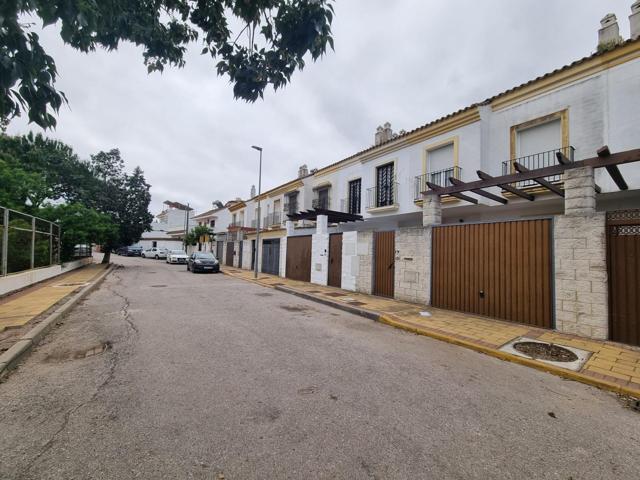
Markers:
point(255, 263)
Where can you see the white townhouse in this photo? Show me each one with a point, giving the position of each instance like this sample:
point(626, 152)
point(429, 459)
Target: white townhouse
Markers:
point(523, 207)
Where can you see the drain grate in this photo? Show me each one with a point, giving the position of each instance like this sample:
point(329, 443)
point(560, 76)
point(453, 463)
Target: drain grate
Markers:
point(335, 294)
point(158, 286)
point(72, 284)
point(545, 351)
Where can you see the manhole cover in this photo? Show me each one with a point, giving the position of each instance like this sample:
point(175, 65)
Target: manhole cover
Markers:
point(545, 351)
point(562, 356)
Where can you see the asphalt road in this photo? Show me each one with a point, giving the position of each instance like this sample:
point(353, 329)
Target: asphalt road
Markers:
point(210, 377)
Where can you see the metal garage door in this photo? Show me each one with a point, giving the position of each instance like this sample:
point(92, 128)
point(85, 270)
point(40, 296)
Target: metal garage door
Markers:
point(500, 270)
point(219, 250)
point(384, 244)
point(271, 256)
point(299, 258)
point(623, 242)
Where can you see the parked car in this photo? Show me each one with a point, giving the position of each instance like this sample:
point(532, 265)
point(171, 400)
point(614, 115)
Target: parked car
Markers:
point(121, 250)
point(134, 251)
point(203, 262)
point(177, 256)
point(155, 252)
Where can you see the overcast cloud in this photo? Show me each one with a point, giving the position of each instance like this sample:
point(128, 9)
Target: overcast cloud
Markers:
point(406, 62)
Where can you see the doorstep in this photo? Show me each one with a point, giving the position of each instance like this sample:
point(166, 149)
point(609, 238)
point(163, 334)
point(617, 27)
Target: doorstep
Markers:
point(610, 365)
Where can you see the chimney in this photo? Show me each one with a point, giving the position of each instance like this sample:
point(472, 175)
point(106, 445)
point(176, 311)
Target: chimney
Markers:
point(388, 133)
point(303, 171)
point(609, 33)
point(379, 137)
point(253, 191)
point(634, 20)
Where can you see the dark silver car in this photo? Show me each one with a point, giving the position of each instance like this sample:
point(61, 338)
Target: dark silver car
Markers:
point(203, 262)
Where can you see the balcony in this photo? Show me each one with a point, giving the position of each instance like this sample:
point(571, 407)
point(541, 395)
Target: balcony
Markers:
point(439, 177)
point(272, 220)
point(382, 196)
point(235, 225)
point(538, 160)
point(321, 203)
point(290, 208)
point(352, 206)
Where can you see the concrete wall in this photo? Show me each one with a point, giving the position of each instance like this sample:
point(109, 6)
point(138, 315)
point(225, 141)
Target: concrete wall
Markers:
point(581, 260)
point(246, 254)
point(320, 252)
point(18, 281)
point(411, 272)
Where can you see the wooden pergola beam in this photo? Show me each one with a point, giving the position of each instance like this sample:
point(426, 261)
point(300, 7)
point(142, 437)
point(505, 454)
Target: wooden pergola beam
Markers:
point(505, 186)
point(563, 160)
point(480, 192)
point(621, 158)
point(613, 170)
point(540, 181)
point(459, 195)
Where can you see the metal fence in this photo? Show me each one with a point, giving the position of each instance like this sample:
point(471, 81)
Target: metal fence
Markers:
point(27, 242)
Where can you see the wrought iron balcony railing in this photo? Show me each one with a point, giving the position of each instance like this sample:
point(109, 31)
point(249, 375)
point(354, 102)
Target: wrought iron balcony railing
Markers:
point(272, 219)
point(382, 195)
point(439, 177)
point(290, 208)
point(350, 205)
point(236, 224)
point(321, 203)
point(538, 160)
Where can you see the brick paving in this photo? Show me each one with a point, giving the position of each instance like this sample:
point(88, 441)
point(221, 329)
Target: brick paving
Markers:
point(18, 309)
point(612, 366)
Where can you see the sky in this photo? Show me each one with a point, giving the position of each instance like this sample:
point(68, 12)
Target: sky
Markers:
point(407, 62)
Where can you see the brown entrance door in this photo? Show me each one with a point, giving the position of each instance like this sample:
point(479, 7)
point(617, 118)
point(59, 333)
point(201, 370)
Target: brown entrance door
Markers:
point(623, 243)
point(500, 270)
point(230, 246)
point(384, 244)
point(335, 260)
point(299, 258)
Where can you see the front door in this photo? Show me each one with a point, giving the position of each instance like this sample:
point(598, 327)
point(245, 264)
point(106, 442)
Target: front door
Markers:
point(240, 244)
point(219, 250)
point(335, 260)
point(253, 254)
point(623, 244)
point(384, 244)
point(271, 256)
point(230, 246)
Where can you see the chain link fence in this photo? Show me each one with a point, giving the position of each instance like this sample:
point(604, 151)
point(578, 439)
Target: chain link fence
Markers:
point(27, 242)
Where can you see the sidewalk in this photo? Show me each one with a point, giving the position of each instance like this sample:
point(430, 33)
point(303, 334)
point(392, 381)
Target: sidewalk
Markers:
point(611, 365)
point(20, 308)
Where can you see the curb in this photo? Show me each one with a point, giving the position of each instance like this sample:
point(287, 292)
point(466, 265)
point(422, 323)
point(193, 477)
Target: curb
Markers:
point(399, 324)
point(10, 358)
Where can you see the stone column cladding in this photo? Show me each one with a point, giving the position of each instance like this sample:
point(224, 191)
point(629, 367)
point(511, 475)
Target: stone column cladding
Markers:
point(364, 251)
point(580, 259)
point(282, 268)
point(320, 252)
point(290, 228)
point(431, 215)
point(236, 254)
point(411, 264)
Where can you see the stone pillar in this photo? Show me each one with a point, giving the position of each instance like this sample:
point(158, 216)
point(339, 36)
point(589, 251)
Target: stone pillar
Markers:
point(580, 259)
point(350, 262)
point(364, 280)
point(246, 254)
point(634, 20)
point(431, 215)
point(289, 226)
point(411, 265)
point(320, 252)
point(282, 268)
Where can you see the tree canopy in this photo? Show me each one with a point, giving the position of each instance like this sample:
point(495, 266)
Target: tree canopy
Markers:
point(255, 43)
point(95, 200)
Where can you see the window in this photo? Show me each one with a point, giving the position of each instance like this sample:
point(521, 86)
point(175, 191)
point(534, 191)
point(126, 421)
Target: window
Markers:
point(441, 164)
point(322, 199)
point(154, 244)
point(353, 201)
point(385, 186)
point(539, 138)
point(291, 203)
point(212, 223)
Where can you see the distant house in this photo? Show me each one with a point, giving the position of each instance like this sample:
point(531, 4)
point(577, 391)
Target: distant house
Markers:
point(168, 227)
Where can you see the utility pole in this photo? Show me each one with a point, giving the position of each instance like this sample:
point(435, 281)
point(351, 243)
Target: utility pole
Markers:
point(255, 263)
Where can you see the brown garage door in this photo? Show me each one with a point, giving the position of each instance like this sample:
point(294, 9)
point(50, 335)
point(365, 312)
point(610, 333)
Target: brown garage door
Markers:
point(384, 244)
point(624, 273)
point(299, 258)
point(500, 270)
point(335, 260)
